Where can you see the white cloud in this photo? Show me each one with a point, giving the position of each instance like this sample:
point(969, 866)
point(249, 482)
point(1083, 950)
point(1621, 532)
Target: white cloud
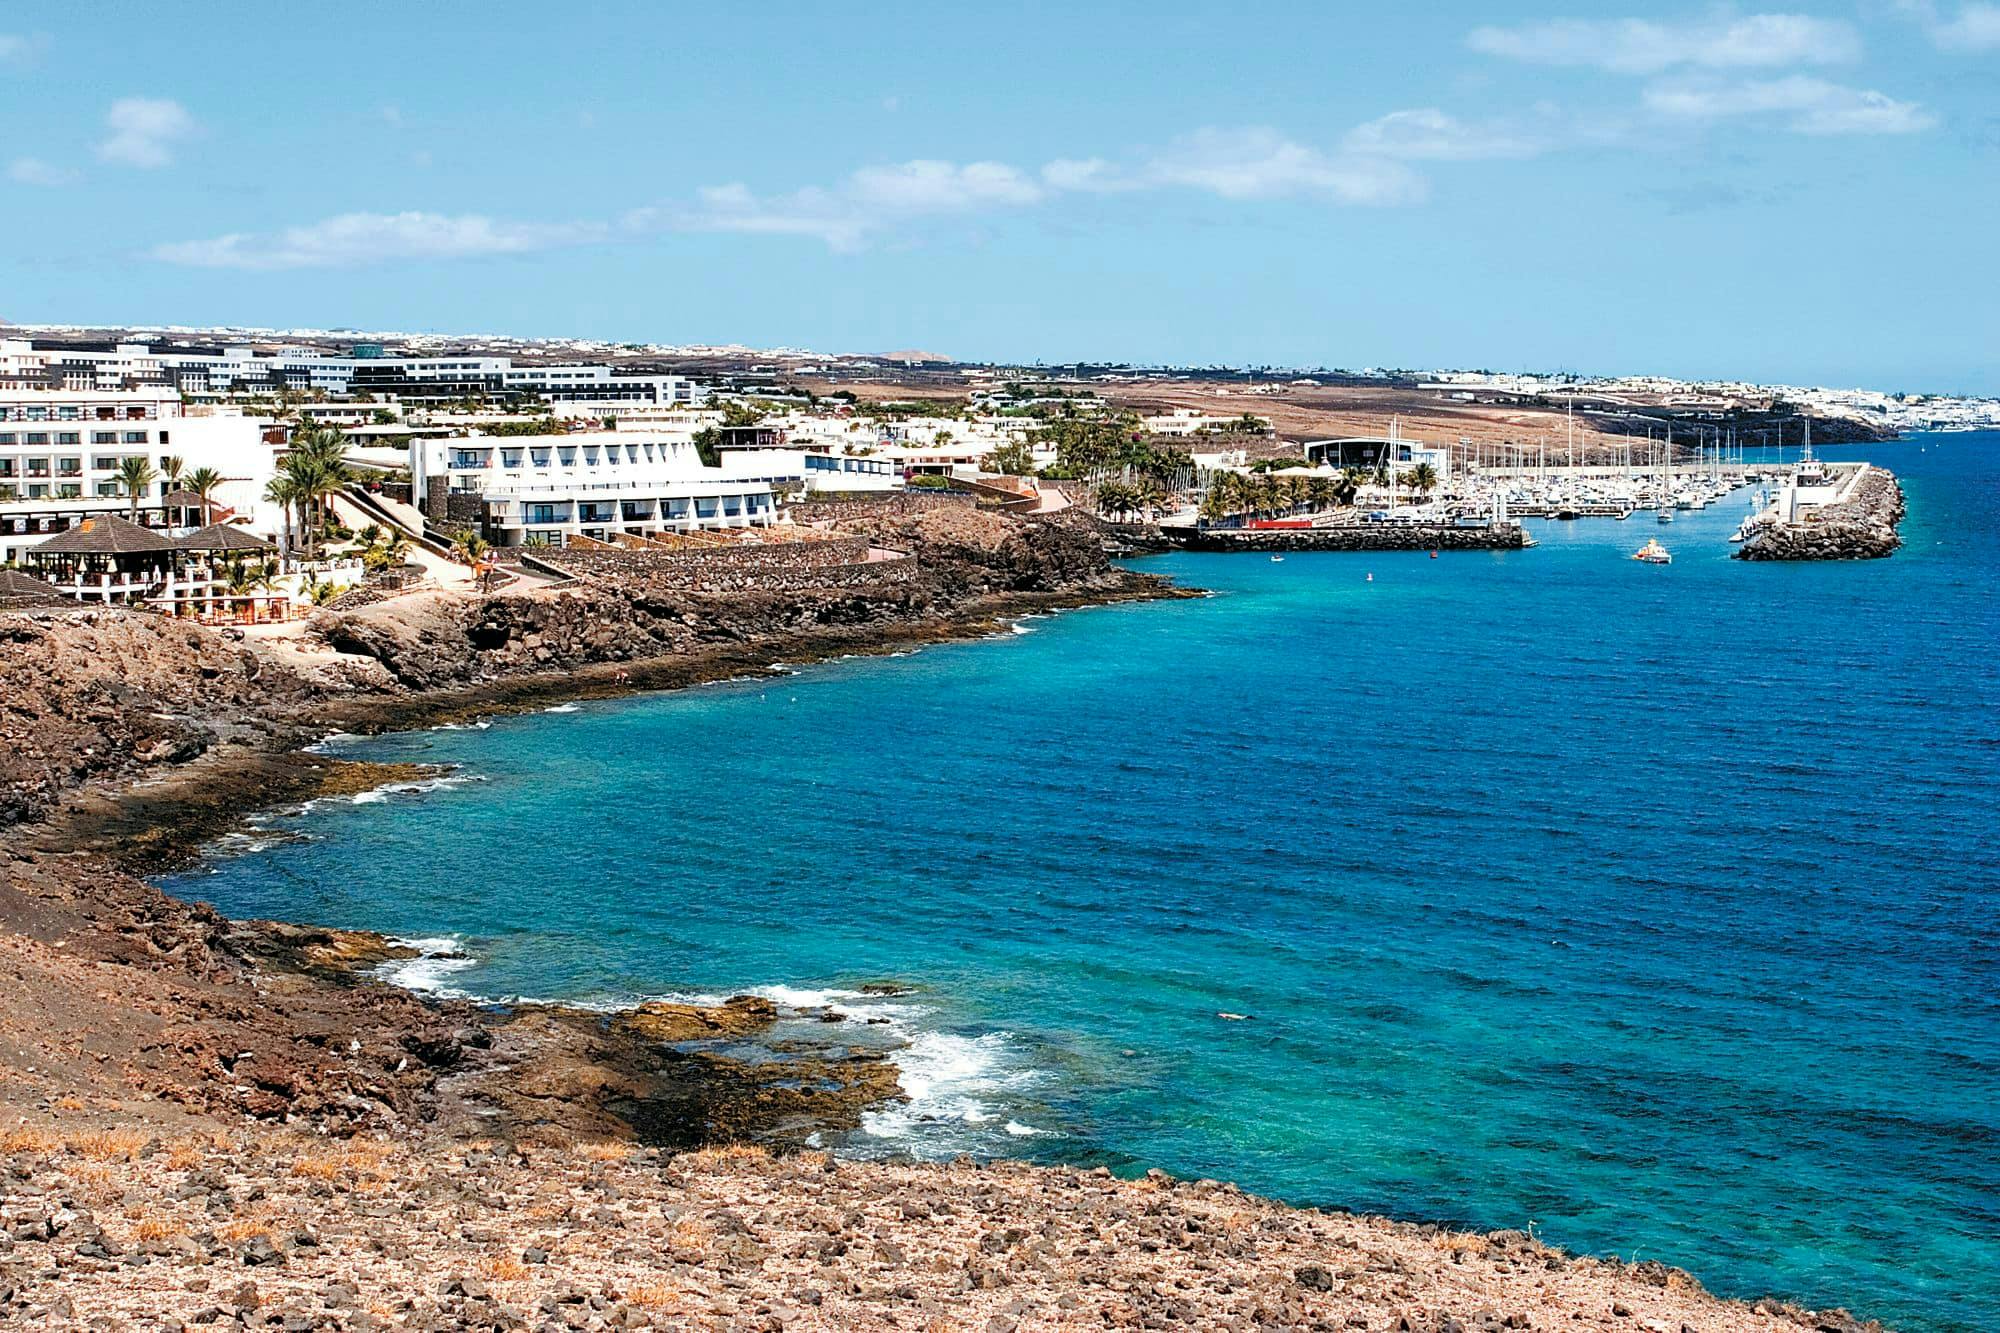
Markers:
point(1645, 46)
point(1247, 163)
point(1261, 163)
point(21, 47)
point(1975, 27)
point(144, 131)
point(869, 200)
point(34, 171)
point(1233, 164)
point(353, 239)
point(1807, 106)
point(1428, 133)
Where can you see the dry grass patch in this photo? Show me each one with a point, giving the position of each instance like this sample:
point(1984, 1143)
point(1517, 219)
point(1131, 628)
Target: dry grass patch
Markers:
point(29, 1139)
point(244, 1229)
point(658, 1296)
point(185, 1156)
point(501, 1268)
point(154, 1228)
point(608, 1151)
point(109, 1144)
point(727, 1154)
point(691, 1235)
point(360, 1157)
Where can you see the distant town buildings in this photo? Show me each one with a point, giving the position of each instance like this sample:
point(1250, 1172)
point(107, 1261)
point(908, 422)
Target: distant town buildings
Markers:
point(366, 372)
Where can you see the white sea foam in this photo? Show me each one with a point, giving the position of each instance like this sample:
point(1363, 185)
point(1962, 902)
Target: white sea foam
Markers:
point(562, 708)
point(439, 957)
point(417, 787)
point(956, 1086)
point(1021, 1131)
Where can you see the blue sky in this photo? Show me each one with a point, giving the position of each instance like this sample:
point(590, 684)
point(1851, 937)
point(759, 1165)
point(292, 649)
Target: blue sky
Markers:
point(1806, 194)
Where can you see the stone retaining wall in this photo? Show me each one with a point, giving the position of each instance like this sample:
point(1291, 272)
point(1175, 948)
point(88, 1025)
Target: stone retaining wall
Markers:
point(779, 567)
point(1862, 527)
point(894, 503)
point(1360, 537)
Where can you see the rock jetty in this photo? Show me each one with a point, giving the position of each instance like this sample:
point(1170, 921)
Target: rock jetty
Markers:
point(1861, 527)
point(1350, 537)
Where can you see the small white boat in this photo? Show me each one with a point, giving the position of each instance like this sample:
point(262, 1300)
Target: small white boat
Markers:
point(1277, 560)
point(1666, 514)
point(1652, 553)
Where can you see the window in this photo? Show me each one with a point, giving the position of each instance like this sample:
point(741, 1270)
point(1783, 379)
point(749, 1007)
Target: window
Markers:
point(104, 437)
point(37, 437)
point(135, 437)
point(104, 464)
point(107, 489)
point(68, 437)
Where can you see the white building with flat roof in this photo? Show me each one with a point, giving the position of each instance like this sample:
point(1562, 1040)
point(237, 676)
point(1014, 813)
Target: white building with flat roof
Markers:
point(201, 371)
point(549, 488)
point(60, 451)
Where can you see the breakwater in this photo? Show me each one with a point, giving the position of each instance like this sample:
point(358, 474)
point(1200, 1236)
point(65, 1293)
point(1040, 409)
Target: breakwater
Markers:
point(1862, 526)
point(1358, 537)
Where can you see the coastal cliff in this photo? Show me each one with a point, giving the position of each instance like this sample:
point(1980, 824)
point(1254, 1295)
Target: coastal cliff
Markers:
point(206, 1121)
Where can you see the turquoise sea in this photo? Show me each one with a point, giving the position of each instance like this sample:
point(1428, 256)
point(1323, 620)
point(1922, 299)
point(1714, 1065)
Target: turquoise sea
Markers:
point(1653, 908)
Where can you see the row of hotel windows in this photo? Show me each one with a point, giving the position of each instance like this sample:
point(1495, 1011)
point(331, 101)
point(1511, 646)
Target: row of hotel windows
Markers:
point(587, 511)
point(63, 467)
point(511, 458)
point(72, 412)
point(34, 437)
point(105, 490)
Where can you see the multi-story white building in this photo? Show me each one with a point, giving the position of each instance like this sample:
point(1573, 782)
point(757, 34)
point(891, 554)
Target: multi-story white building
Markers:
point(201, 371)
point(60, 451)
point(549, 488)
point(812, 470)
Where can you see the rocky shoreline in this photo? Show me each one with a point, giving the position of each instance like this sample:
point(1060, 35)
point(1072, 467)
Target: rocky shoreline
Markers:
point(1862, 527)
point(207, 1121)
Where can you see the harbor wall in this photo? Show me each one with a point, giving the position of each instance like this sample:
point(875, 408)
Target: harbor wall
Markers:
point(1358, 537)
point(1861, 527)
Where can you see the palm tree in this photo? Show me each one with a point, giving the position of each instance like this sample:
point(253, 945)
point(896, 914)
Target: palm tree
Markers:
point(1423, 478)
point(1349, 484)
point(283, 492)
point(172, 466)
point(473, 550)
point(136, 475)
point(203, 481)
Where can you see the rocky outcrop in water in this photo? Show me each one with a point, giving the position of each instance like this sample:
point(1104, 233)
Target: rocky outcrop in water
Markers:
point(1862, 527)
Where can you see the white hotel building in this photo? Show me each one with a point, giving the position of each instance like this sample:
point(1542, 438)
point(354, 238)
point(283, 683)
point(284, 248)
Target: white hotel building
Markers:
point(60, 450)
point(550, 488)
point(203, 371)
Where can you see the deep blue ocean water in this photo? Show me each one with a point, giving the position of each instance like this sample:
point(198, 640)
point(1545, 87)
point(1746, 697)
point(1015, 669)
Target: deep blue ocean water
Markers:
point(1652, 907)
